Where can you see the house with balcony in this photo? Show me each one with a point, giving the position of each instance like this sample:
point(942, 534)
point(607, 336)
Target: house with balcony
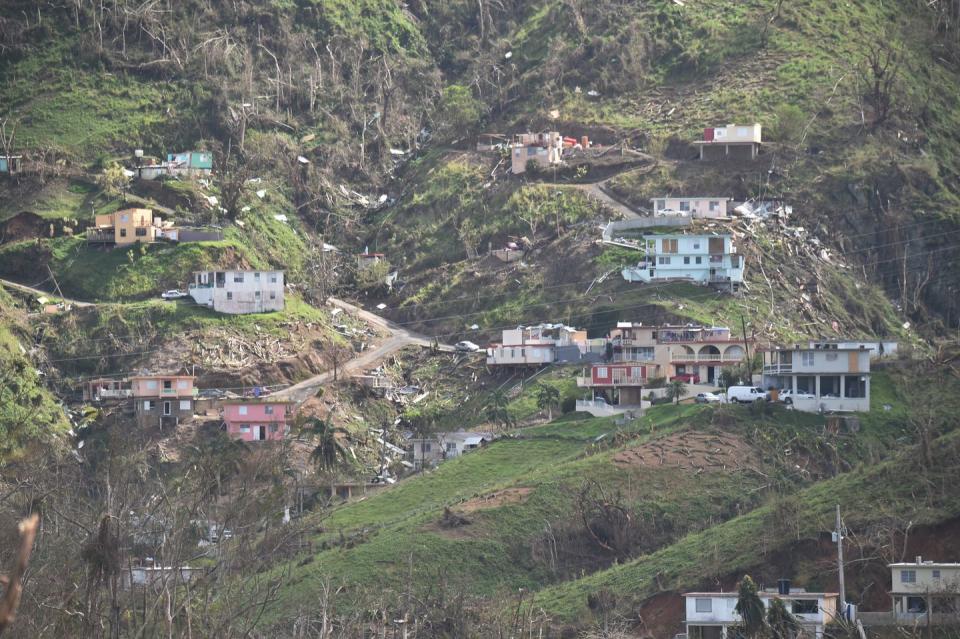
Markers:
point(731, 142)
point(541, 345)
point(238, 291)
point(824, 376)
point(614, 388)
point(545, 149)
point(707, 259)
point(694, 207)
point(925, 592)
point(257, 419)
point(712, 615)
point(104, 389)
point(125, 227)
point(163, 400)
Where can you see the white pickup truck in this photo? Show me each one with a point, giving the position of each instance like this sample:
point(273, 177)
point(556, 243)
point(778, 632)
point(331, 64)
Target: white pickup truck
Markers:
point(787, 396)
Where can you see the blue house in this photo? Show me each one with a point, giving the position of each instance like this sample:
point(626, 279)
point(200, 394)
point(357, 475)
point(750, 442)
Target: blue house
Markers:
point(704, 259)
point(201, 160)
point(10, 163)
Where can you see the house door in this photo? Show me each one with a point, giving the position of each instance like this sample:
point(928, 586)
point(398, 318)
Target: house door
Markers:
point(711, 374)
point(166, 408)
point(261, 433)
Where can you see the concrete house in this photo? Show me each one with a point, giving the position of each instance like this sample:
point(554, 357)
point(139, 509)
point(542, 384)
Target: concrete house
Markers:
point(238, 291)
point(126, 227)
point(163, 400)
point(615, 388)
point(833, 378)
point(712, 615)
point(546, 149)
point(925, 591)
point(539, 345)
point(187, 164)
point(695, 207)
point(704, 259)
point(425, 452)
point(257, 420)
point(731, 142)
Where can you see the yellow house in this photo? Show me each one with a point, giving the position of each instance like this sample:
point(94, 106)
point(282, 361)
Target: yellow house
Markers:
point(125, 227)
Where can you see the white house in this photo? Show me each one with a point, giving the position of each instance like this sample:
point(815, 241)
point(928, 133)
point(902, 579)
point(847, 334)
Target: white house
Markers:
point(833, 378)
point(925, 589)
point(734, 141)
point(238, 291)
point(710, 615)
point(430, 451)
point(538, 345)
point(545, 149)
point(704, 259)
point(695, 207)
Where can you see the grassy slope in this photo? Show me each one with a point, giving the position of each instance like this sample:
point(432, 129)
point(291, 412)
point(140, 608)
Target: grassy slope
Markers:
point(496, 551)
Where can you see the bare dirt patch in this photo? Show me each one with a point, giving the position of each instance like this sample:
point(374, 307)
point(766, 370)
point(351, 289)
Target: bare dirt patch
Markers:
point(495, 500)
point(706, 452)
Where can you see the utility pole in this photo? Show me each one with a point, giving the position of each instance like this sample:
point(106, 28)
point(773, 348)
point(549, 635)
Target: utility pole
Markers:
point(838, 535)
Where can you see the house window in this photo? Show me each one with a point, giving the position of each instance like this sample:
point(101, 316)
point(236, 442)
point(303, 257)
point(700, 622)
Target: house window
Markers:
point(916, 604)
point(451, 447)
point(908, 576)
point(703, 605)
point(123, 232)
point(660, 205)
point(669, 246)
point(268, 409)
point(167, 408)
point(140, 232)
point(686, 260)
point(699, 260)
point(831, 357)
point(152, 384)
point(696, 245)
point(273, 295)
point(256, 294)
point(273, 279)
point(806, 384)
point(125, 217)
point(936, 574)
point(244, 429)
point(256, 276)
point(238, 277)
point(664, 260)
point(806, 358)
point(167, 384)
point(229, 295)
point(854, 387)
point(241, 410)
point(149, 405)
point(805, 607)
point(714, 206)
point(829, 386)
point(184, 404)
point(273, 428)
point(685, 205)
point(426, 447)
point(602, 372)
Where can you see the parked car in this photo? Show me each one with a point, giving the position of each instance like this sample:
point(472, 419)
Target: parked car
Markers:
point(466, 347)
point(689, 378)
point(745, 394)
point(787, 396)
point(707, 398)
point(174, 294)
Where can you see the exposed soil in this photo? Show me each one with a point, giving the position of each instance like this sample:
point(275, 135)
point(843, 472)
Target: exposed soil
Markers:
point(495, 500)
point(706, 452)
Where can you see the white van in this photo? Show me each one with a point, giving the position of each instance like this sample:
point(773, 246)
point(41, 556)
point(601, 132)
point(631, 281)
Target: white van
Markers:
point(745, 394)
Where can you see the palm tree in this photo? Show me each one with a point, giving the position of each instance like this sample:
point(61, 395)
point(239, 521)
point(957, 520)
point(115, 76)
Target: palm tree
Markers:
point(750, 608)
point(548, 397)
point(677, 389)
point(329, 450)
point(497, 411)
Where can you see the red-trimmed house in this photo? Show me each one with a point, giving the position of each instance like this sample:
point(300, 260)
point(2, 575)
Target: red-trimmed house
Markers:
point(616, 387)
point(257, 420)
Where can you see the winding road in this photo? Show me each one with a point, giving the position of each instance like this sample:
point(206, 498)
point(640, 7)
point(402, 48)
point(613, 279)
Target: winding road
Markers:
point(399, 339)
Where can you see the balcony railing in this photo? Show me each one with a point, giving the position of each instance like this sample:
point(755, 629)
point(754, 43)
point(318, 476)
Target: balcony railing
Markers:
point(723, 359)
point(777, 369)
point(617, 381)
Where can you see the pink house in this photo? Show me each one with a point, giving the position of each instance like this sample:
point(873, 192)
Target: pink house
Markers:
point(255, 420)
